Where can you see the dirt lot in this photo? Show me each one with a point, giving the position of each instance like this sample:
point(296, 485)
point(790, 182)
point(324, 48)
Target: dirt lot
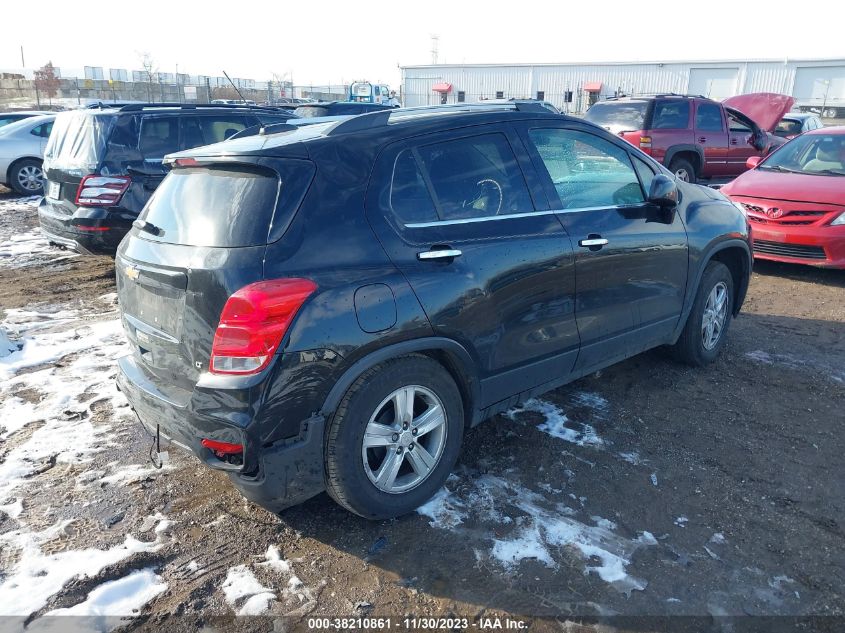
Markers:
point(647, 489)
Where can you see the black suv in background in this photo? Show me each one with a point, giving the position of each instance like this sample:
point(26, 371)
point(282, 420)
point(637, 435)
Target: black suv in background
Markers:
point(328, 307)
point(101, 164)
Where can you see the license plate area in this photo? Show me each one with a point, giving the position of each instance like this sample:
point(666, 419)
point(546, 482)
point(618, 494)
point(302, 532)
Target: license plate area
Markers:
point(54, 190)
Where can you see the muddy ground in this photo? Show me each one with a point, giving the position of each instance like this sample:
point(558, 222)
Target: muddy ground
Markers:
point(648, 489)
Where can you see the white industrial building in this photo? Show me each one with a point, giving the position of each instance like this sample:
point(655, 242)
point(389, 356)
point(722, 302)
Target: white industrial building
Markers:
point(816, 83)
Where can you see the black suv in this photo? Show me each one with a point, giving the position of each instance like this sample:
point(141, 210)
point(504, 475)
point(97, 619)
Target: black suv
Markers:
point(328, 307)
point(102, 163)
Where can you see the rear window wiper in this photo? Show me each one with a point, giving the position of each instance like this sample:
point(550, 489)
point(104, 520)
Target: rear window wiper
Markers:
point(150, 228)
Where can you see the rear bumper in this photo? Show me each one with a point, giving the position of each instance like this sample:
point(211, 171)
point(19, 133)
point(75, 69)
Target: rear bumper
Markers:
point(277, 476)
point(822, 246)
point(88, 231)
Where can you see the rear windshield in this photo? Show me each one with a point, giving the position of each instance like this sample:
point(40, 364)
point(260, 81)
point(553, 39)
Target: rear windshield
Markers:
point(619, 115)
point(311, 111)
point(77, 141)
point(218, 206)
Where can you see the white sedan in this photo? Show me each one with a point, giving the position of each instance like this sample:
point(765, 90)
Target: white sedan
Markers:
point(21, 152)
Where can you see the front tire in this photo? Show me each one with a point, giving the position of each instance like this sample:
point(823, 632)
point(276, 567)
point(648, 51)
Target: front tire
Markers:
point(394, 438)
point(683, 170)
point(27, 178)
point(708, 322)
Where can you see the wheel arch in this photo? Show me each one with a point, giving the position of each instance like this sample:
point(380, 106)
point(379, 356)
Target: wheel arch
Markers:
point(736, 255)
point(452, 356)
point(693, 152)
point(18, 160)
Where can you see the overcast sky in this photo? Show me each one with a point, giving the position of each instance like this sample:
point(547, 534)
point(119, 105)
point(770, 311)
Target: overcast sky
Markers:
point(333, 41)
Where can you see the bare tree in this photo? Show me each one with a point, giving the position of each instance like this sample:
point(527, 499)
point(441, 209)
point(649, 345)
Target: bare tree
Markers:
point(150, 66)
point(46, 81)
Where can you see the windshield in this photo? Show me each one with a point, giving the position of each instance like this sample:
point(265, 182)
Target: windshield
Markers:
point(620, 115)
point(77, 140)
point(311, 111)
point(810, 154)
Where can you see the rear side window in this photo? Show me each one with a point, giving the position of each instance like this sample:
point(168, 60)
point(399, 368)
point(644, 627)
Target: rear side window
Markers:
point(159, 136)
point(708, 118)
point(671, 115)
point(475, 177)
point(619, 115)
point(311, 111)
point(42, 130)
point(222, 206)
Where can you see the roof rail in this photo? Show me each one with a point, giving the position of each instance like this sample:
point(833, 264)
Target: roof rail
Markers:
point(381, 118)
point(136, 107)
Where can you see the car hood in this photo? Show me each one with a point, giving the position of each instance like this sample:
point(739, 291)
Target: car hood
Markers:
point(774, 185)
point(766, 109)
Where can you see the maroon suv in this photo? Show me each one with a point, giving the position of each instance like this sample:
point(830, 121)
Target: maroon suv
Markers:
point(693, 136)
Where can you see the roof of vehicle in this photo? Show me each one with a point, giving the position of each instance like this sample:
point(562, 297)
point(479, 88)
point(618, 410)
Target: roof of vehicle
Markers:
point(799, 116)
point(26, 112)
point(187, 107)
point(391, 124)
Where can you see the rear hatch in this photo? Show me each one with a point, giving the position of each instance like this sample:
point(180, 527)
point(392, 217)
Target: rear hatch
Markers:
point(75, 149)
point(201, 237)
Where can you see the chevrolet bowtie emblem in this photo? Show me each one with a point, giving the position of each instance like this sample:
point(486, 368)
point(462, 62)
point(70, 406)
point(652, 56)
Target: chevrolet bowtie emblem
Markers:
point(131, 272)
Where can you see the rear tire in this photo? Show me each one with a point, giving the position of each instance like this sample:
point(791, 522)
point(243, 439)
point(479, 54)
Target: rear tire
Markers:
point(27, 178)
point(707, 324)
point(683, 170)
point(404, 462)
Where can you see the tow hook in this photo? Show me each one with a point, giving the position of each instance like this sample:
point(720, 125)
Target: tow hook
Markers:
point(157, 457)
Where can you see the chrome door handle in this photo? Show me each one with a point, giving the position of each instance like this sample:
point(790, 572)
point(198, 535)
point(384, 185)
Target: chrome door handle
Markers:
point(593, 241)
point(443, 253)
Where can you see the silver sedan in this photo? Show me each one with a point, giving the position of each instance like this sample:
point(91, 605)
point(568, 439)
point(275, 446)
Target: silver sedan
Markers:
point(21, 152)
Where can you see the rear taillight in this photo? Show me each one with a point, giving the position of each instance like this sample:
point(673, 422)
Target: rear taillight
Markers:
point(645, 142)
point(101, 191)
point(253, 323)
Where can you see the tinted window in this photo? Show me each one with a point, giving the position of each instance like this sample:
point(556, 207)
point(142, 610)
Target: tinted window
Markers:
point(79, 140)
point(204, 130)
point(587, 171)
point(708, 118)
point(159, 136)
point(10, 118)
point(624, 115)
point(409, 197)
point(738, 126)
point(475, 177)
point(42, 130)
point(788, 127)
point(671, 115)
point(213, 207)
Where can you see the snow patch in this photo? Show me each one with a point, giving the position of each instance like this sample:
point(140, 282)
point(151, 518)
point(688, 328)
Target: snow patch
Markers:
point(444, 509)
point(13, 509)
point(241, 583)
point(557, 424)
point(37, 576)
point(122, 597)
point(30, 248)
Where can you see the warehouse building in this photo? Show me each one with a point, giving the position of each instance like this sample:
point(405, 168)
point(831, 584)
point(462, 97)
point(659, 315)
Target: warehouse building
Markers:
point(816, 83)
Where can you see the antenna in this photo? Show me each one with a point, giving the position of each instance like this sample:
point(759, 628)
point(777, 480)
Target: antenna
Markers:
point(235, 87)
point(435, 44)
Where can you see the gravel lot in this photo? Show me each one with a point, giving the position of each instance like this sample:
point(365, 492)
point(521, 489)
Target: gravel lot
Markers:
point(647, 489)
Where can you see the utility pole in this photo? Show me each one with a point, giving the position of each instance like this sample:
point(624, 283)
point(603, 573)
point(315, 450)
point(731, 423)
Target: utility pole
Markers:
point(435, 45)
point(23, 63)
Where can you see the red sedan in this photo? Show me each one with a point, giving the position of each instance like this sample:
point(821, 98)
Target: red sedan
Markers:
point(795, 200)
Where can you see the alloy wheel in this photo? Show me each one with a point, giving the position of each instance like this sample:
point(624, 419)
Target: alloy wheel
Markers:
point(30, 177)
point(404, 439)
point(682, 174)
point(715, 315)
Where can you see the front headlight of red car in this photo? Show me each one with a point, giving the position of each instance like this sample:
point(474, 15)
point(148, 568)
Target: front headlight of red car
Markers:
point(839, 220)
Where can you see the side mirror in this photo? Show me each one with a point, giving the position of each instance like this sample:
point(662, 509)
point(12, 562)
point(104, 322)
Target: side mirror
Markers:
point(663, 192)
point(753, 161)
